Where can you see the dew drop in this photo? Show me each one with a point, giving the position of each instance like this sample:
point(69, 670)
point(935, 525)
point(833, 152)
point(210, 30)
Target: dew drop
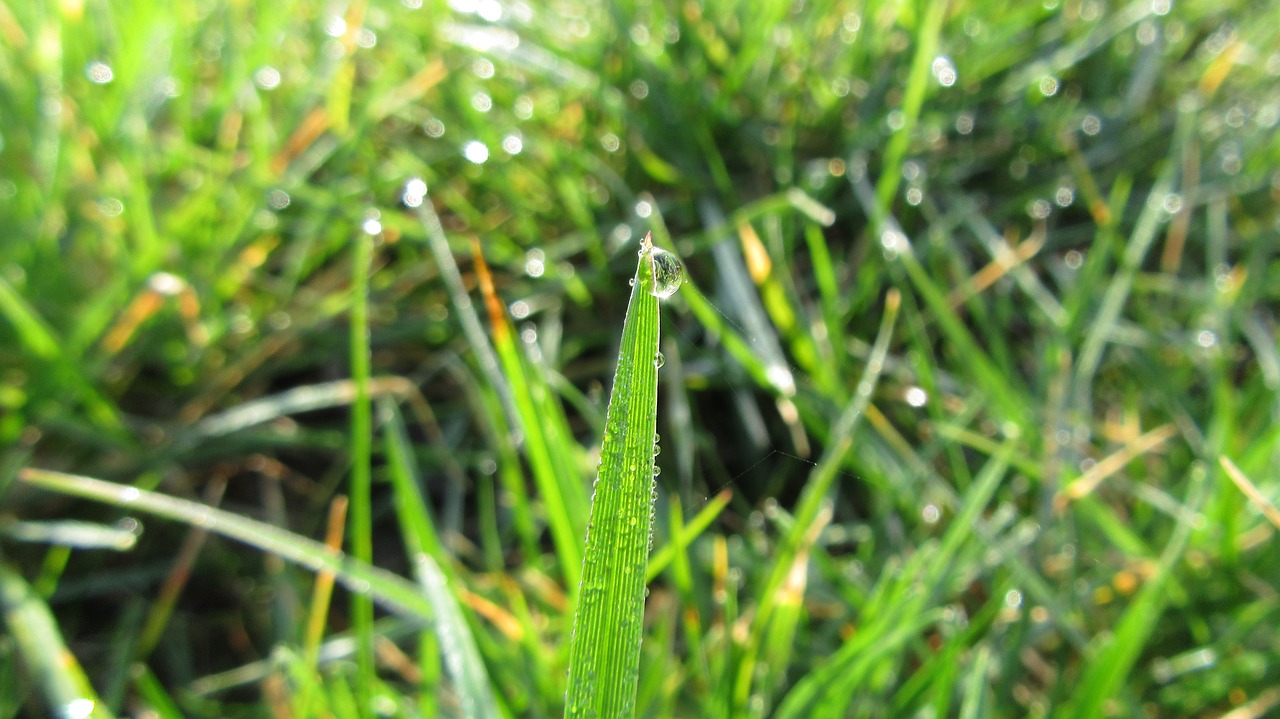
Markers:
point(99, 73)
point(930, 513)
point(668, 273)
point(659, 360)
point(476, 152)
point(632, 282)
point(78, 708)
point(916, 397)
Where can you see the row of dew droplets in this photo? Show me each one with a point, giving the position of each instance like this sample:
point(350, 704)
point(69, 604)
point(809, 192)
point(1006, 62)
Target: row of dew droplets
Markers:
point(667, 274)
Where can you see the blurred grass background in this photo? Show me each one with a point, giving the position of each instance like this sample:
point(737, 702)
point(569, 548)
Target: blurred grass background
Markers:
point(1025, 512)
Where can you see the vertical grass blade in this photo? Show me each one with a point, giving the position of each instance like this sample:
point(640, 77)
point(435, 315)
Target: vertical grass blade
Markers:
point(604, 654)
point(361, 531)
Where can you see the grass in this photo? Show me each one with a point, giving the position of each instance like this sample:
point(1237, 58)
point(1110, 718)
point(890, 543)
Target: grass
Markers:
point(968, 408)
point(604, 651)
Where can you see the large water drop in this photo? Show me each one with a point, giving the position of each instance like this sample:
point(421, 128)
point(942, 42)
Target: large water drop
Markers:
point(668, 273)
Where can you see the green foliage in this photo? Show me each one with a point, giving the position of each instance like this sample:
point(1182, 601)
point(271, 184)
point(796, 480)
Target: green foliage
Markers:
point(604, 654)
point(980, 297)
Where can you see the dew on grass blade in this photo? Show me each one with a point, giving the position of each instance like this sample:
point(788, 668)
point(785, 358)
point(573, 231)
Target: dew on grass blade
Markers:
point(99, 73)
point(415, 191)
point(659, 360)
point(476, 152)
point(668, 274)
point(78, 708)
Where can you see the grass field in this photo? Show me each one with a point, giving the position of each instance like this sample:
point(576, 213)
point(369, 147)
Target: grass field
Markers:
point(969, 405)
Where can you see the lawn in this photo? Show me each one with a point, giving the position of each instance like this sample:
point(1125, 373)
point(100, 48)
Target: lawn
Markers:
point(968, 404)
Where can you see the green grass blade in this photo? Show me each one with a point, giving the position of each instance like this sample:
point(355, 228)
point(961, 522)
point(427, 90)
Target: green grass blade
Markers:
point(51, 664)
point(30, 328)
point(458, 646)
point(913, 100)
point(604, 654)
point(460, 654)
point(153, 694)
point(392, 591)
point(361, 529)
point(1107, 670)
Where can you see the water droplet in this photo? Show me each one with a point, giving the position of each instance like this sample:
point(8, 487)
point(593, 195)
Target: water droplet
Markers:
point(668, 273)
point(110, 206)
point(944, 70)
point(930, 513)
point(99, 73)
point(535, 262)
point(476, 152)
point(482, 68)
point(267, 77)
point(659, 360)
point(78, 708)
point(632, 282)
point(415, 191)
point(916, 397)
point(524, 107)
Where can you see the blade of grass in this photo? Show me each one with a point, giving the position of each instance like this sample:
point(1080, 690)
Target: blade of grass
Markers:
point(361, 530)
point(394, 592)
point(460, 655)
point(604, 652)
point(52, 665)
point(1107, 670)
point(167, 597)
point(995, 383)
point(912, 101)
point(153, 693)
point(457, 643)
point(555, 473)
point(322, 594)
point(797, 541)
